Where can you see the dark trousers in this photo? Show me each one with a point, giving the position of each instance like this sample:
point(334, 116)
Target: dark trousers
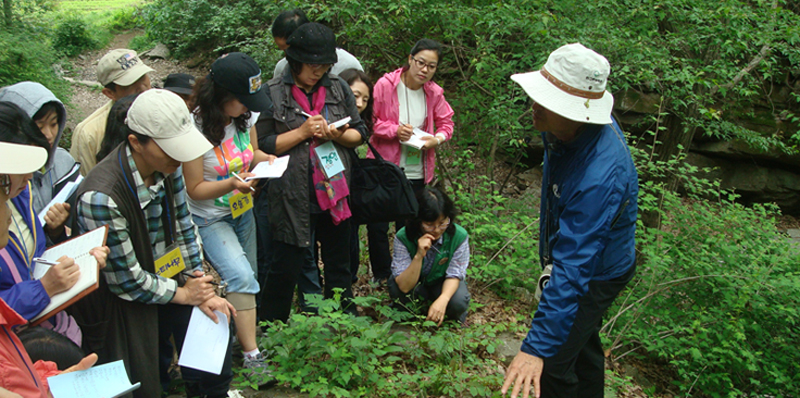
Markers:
point(456, 308)
point(263, 239)
point(355, 253)
point(378, 234)
point(578, 369)
point(173, 320)
point(288, 261)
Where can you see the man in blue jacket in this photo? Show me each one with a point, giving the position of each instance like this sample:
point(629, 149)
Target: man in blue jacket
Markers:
point(587, 225)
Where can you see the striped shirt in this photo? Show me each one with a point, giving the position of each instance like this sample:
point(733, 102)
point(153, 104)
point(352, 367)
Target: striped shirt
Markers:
point(124, 275)
point(401, 260)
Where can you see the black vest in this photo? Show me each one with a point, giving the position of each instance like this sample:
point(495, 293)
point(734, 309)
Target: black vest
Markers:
point(112, 327)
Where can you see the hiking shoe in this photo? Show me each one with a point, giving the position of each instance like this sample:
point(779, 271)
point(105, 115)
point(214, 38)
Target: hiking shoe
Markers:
point(258, 370)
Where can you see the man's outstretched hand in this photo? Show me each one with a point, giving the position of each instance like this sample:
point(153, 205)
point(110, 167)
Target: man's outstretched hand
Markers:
point(524, 369)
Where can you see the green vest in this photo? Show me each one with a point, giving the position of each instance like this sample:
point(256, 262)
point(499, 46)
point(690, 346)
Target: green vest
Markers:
point(450, 243)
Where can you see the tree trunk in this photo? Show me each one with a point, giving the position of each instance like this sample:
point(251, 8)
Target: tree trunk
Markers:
point(7, 13)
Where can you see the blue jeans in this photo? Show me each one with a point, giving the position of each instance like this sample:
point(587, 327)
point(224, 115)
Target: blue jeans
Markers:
point(230, 246)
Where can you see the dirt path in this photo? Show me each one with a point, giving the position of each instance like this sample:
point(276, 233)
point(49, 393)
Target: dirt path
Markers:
point(86, 99)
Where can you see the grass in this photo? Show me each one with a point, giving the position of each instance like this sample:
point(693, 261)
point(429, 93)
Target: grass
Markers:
point(89, 6)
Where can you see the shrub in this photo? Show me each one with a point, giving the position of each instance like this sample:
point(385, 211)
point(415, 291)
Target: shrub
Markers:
point(27, 55)
point(72, 37)
point(716, 296)
point(336, 354)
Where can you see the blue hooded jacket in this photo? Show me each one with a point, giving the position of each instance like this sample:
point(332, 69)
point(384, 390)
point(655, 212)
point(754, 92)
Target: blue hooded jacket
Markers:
point(587, 226)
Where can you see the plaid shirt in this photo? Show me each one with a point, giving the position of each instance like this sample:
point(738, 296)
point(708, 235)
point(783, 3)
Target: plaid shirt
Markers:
point(124, 275)
point(401, 259)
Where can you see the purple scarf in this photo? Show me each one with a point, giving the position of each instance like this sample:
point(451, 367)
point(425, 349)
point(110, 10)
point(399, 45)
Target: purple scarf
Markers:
point(331, 192)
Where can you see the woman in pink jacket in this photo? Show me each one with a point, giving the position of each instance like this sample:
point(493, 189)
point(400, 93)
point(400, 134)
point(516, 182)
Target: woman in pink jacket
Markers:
point(405, 100)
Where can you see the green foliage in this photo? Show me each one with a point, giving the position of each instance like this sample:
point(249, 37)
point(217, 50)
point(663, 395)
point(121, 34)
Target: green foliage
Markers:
point(336, 354)
point(28, 55)
point(72, 37)
point(717, 292)
point(506, 229)
point(124, 19)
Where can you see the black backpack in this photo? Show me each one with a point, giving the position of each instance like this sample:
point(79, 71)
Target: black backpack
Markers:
point(380, 191)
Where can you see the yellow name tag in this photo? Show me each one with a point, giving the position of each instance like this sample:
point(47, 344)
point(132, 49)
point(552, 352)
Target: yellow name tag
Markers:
point(240, 203)
point(171, 263)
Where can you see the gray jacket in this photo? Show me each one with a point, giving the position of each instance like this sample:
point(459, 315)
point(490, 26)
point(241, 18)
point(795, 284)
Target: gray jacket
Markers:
point(61, 167)
point(346, 61)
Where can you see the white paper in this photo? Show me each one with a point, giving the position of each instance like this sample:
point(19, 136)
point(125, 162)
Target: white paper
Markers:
point(63, 195)
point(340, 123)
point(78, 249)
point(103, 381)
point(266, 170)
point(416, 140)
point(206, 342)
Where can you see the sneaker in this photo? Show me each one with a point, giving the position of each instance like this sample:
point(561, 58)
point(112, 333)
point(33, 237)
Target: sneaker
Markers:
point(258, 370)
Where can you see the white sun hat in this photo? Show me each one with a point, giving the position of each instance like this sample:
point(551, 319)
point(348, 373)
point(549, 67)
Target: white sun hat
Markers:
point(163, 115)
point(572, 83)
point(21, 159)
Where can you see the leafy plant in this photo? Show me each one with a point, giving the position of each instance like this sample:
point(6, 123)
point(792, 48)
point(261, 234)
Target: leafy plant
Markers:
point(72, 37)
point(336, 354)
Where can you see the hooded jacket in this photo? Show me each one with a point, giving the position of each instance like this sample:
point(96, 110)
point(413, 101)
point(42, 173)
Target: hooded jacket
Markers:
point(60, 167)
point(387, 119)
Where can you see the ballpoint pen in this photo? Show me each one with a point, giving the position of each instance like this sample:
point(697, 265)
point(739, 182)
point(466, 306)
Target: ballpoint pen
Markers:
point(242, 180)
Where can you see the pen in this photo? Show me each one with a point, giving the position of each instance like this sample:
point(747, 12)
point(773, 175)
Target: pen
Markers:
point(43, 261)
point(306, 114)
point(240, 179)
point(191, 275)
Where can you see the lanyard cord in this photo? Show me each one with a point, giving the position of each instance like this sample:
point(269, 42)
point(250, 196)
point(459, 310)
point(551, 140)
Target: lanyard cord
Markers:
point(22, 247)
point(165, 209)
point(424, 101)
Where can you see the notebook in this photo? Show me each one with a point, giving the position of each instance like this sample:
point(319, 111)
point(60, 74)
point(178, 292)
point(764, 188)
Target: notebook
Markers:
point(103, 381)
point(77, 248)
point(416, 140)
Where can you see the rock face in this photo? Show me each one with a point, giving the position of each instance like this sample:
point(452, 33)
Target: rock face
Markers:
point(758, 175)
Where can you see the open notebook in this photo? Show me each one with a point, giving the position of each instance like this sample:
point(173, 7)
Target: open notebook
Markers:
point(102, 381)
point(77, 248)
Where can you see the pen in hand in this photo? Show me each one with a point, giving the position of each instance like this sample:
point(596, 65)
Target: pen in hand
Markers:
point(242, 180)
point(190, 274)
point(45, 262)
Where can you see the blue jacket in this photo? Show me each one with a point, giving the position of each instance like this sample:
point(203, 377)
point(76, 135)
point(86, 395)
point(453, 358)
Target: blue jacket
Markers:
point(587, 225)
point(28, 298)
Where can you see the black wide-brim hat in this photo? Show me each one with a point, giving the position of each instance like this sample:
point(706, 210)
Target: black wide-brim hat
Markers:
point(312, 43)
point(240, 74)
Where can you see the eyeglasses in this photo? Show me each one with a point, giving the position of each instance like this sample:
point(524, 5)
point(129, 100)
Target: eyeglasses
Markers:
point(422, 64)
point(317, 67)
point(5, 183)
point(429, 227)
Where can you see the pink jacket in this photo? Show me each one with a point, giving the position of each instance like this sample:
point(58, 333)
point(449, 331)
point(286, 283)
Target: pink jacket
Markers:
point(386, 113)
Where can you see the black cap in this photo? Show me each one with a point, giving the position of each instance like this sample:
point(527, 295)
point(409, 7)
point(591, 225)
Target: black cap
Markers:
point(312, 43)
point(240, 74)
point(179, 83)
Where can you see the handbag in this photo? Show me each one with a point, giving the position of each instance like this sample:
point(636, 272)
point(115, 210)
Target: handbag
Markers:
point(380, 191)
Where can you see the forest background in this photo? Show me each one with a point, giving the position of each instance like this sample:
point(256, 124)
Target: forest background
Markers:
point(714, 306)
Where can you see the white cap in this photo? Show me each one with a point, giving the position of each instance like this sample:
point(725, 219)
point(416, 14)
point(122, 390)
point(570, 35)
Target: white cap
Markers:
point(572, 84)
point(122, 67)
point(162, 115)
point(21, 159)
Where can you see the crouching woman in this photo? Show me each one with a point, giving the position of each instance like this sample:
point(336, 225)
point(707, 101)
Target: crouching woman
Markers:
point(431, 256)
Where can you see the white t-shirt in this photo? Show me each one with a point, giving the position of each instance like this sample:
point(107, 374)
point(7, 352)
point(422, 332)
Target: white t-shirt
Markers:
point(234, 155)
point(413, 102)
